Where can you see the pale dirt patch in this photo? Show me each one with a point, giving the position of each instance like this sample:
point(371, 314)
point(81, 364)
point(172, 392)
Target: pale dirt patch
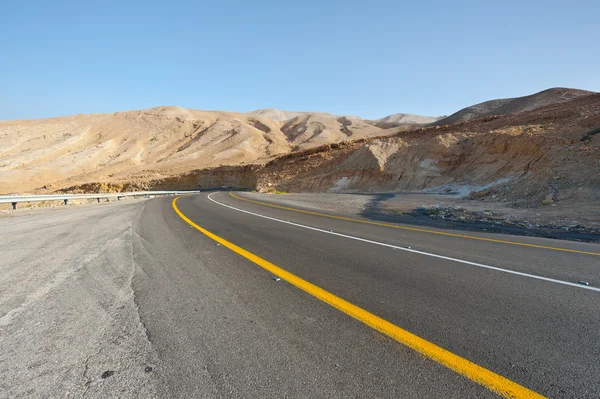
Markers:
point(69, 325)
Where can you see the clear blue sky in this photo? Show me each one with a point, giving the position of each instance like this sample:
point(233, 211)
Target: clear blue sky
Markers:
point(367, 58)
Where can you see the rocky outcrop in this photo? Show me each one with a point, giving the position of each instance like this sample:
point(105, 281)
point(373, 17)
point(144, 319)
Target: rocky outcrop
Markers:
point(527, 159)
point(505, 106)
point(146, 145)
point(546, 155)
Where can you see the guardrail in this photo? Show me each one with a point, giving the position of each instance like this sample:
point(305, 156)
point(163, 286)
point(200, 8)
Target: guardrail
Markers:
point(15, 199)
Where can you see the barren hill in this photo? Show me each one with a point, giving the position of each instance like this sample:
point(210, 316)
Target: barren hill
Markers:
point(549, 154)
point(512, 105)
point(155, 142)
point(523, 155)
point(283, 116)
point(395, 120)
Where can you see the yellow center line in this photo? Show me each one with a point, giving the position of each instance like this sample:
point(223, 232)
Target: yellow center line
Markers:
point(495, 382)
point(414, 228)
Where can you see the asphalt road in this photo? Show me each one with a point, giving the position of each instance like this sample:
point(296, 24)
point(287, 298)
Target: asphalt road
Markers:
point(212, 323)
point(270, 339)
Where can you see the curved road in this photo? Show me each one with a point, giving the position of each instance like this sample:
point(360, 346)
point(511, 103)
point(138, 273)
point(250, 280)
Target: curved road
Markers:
point(237, 295)
point(221, 321)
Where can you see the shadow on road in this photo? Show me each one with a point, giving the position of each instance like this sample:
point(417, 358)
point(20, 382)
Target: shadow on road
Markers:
point(376, 210)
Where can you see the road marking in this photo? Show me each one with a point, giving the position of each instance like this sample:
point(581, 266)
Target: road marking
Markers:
point(416, 228)
point(499, 269)
point(495, 382)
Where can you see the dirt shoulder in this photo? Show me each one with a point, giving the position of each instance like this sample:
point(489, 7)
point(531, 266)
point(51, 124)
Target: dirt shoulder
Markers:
point(69, 324)
point(557, 220)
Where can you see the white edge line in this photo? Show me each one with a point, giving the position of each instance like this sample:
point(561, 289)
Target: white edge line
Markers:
point(499, 269)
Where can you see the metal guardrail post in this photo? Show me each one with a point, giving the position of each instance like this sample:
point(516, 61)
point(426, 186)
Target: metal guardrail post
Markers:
point(66, 201)
point(14, 204)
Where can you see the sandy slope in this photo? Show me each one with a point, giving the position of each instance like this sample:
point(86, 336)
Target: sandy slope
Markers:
point(536, 142)
point(399, 119)
point(513, 105)
point(524, 156)
point(547, 157)
point(151, 143)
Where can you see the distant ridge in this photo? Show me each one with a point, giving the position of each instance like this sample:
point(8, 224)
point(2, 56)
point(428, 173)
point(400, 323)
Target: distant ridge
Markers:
point(512, 105)
point(400, 119)
point(283, 116)
point(141, 146)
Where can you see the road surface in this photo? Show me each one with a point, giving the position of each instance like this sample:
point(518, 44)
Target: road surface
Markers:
point(170, 312)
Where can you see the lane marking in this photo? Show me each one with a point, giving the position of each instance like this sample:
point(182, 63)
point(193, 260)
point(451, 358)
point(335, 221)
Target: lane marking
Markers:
point(416, 228)
point(495, 382)
point(499, 269)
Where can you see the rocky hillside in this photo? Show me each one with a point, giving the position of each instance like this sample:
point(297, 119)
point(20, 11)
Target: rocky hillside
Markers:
point(549, 152)
point(152, 143)
point(513, 105)
point(395, 120)
point(540, 156)
point(526, 159)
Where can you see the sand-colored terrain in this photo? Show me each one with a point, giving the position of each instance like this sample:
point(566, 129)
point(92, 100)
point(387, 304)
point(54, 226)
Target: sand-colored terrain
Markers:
point(547, 158)
point(149, 144)
point(505, 106)
point(531, 152)
point(545, 155)
point(396, 120)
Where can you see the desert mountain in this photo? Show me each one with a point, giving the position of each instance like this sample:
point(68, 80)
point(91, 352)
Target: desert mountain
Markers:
point(395, 120)
point(276, 114)
point(537, 138)
point(283, 116)
point(512, 105)
point(386, 122)
point(156, 142)
point(551, 153)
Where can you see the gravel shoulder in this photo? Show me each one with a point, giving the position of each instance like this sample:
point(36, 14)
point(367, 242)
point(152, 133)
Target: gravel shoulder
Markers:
point(561, 220)
point(69, 324)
